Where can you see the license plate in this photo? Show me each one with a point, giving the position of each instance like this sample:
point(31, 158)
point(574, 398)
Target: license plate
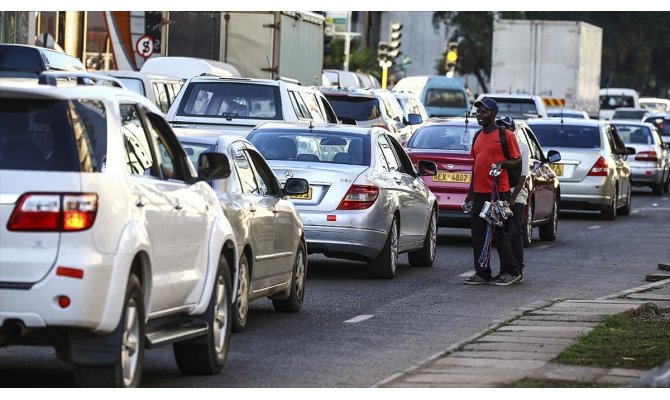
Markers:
point(456, 177)
point(558, 169)
point(305, 196)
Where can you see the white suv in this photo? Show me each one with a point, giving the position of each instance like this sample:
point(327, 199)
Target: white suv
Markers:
point(239, 104)
point(110, 241)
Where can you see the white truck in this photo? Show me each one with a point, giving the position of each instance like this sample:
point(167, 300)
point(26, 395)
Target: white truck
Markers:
point(557, 60)
point(269, 44)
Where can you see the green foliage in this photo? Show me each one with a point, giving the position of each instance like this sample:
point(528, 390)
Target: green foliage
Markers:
point(360, 58)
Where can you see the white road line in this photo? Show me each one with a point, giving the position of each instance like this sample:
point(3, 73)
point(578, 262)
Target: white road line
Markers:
point(358, 318)
point(544, 246)
point(467, 274)
point(594, 227)
point(635, 211)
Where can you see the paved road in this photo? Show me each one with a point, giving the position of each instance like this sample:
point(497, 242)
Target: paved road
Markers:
point(401, 322)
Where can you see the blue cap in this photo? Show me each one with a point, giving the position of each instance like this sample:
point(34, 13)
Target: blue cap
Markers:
point(487, 103)
point(506, 122)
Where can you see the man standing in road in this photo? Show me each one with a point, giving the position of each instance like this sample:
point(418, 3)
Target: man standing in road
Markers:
point(519, 197)
point(487, 150)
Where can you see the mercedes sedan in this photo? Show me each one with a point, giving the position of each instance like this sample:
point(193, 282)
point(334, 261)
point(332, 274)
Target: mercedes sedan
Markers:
point(365, 199)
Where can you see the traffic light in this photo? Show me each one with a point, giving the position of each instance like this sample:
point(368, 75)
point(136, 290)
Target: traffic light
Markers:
point(395, 33)
point(451, 58)
point(382, 51)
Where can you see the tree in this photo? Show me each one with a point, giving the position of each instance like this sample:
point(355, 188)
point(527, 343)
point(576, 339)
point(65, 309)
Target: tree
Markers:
point(363, 59)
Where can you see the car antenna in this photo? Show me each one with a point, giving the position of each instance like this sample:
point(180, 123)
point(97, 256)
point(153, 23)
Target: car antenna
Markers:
point(339, 87)
point(311, 124)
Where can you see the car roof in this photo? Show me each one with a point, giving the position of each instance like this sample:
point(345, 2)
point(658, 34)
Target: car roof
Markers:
point(208, 136)
point(288, 126)
point(138, 74)
point(566, 120)
point(330, 90)
point(507, 96)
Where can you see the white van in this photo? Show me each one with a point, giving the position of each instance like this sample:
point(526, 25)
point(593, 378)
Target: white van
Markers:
point(187, 67)
point(613, 98)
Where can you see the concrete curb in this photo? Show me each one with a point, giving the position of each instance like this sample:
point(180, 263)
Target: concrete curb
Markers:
point(634, 290)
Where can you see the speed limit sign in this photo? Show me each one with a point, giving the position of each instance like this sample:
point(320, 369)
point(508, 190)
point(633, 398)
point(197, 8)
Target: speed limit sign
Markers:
point(145, 46)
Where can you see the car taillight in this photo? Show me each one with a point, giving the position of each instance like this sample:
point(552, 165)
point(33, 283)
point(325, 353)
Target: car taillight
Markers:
point(54, 212)
point(646, 156)
point(600, 168)
point(359, 197)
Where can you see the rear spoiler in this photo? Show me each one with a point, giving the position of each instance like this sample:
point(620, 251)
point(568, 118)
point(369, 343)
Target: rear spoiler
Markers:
point(83, 78)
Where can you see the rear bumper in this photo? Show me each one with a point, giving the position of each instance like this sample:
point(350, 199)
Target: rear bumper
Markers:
point(647, 175)
point(591, 193)
point(343, 242)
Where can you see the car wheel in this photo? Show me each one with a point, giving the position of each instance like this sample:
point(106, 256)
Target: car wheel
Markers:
point(609, 212)
point(298, 278)
point(666, 185)
point(625, 210)
point(241, 304)
point(207, 354)
point(384, 266)
point(426, 255)
point(127, 370)
point(549, 231)
point(528, 225)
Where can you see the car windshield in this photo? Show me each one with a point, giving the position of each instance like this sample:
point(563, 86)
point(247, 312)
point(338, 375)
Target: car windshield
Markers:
point(610, 102)
point(52, 135)
point(237, 100)
point(563, 135)
point(355, 107)
point(443, 137)
point(445, 98)
point(634, 134)
point(313, 147)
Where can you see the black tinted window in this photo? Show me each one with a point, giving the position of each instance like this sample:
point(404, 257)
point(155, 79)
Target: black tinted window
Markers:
point(445, 98)
point(358, 108)
point(52, 135)
point(608, 102)
point(517, 108)
point(20, 61)
point(443, 137)
point(209, 99)
point(574, 136)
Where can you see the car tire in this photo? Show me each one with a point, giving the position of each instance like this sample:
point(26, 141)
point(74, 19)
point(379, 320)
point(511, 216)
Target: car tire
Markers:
point(425, 257)
point(293, 303)
point(241, 304)
point(127, 370)
point(625, 210)
point(610, 211)
point(206, 355)
point(666, 185)
point(527, 231)
point(386, 263)
point(549, 231)
point(657, 189)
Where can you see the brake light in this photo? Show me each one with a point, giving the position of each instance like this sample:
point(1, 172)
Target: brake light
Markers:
point(359, 197)
point(646, 156)
point(600, 168)
point(54, 212)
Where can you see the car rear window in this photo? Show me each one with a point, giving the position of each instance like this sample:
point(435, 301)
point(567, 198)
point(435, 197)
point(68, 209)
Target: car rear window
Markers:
point(133, 84)
point(634, 134)
point(443, 137)
point(355, 107)
point(608, 102)
point(193, 150)
point(445, 98)
point(238, 100)
point(572, 136)
point(314, 147)
point(52, 135)
point(517, 108)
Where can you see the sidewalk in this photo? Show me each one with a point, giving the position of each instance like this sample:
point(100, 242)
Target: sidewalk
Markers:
point(522, 345)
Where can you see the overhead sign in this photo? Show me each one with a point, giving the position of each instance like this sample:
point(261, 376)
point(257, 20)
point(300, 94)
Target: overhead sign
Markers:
point(145, 46)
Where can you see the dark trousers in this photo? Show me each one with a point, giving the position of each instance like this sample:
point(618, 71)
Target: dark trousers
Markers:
point(516, 235)
point(501, 238)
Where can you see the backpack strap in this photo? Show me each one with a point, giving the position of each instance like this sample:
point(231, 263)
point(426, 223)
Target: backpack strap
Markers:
point(503, 142)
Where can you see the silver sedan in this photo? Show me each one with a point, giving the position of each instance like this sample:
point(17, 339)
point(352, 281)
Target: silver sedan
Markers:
point(365, 200)
point(593, 172)
point(268, 230)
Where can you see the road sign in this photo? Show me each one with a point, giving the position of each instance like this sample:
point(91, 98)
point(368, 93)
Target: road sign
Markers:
point(145, 46)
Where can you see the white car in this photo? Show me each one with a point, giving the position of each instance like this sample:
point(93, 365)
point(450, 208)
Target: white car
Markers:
point(518, 106)
point(110, 241)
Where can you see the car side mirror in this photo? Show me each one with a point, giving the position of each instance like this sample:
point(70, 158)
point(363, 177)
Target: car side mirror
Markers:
point(553, 156)
point(630, 150)
point(295, 187)
point(426, 168)
point(666, 145)
point(414, 119)
point(213, 166)
point(348, 121)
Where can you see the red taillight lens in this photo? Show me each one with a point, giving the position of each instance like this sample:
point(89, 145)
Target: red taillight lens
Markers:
point(600, 168)
point(52, 212)
point(359, 197)
point(646, 156)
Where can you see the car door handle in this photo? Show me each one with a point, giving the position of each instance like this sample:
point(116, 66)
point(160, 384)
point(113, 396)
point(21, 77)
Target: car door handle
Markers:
point(252, 208)
point(178, 206)
point(274, 209)
point(139, 202)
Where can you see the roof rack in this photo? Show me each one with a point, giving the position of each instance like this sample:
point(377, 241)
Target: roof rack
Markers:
point(289, 80)
point(83, 78)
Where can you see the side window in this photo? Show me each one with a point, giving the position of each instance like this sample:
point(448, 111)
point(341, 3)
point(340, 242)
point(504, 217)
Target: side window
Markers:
point(138, 157)
point(299, 106)
point(388, 153)
point(405, 164)
point(245, 173)
point(161, 96)
point(165, 156)
point(328, 109)
point(313, 105)
point(266, 178)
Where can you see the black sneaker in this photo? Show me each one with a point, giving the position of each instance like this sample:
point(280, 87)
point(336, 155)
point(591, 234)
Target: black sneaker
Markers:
point(520, 280)
point(476, 280)
point(506, 279)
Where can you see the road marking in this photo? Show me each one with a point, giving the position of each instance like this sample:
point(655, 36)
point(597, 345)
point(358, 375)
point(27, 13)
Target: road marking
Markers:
point(544, 246)
point(635, 211)
point(358, 319)
point(467, 274)
point(594, 227)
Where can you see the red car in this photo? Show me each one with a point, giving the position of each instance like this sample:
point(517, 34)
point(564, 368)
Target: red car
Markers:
point(447, 142)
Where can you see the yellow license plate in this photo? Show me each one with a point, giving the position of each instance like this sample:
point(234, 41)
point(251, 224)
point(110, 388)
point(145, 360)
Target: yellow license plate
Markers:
point(558, 169)
point(306, 196)
point(457, 177)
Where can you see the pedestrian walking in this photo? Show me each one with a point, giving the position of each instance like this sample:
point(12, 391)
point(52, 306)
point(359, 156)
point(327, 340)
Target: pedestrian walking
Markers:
point(489, 156)
point(518, 198)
